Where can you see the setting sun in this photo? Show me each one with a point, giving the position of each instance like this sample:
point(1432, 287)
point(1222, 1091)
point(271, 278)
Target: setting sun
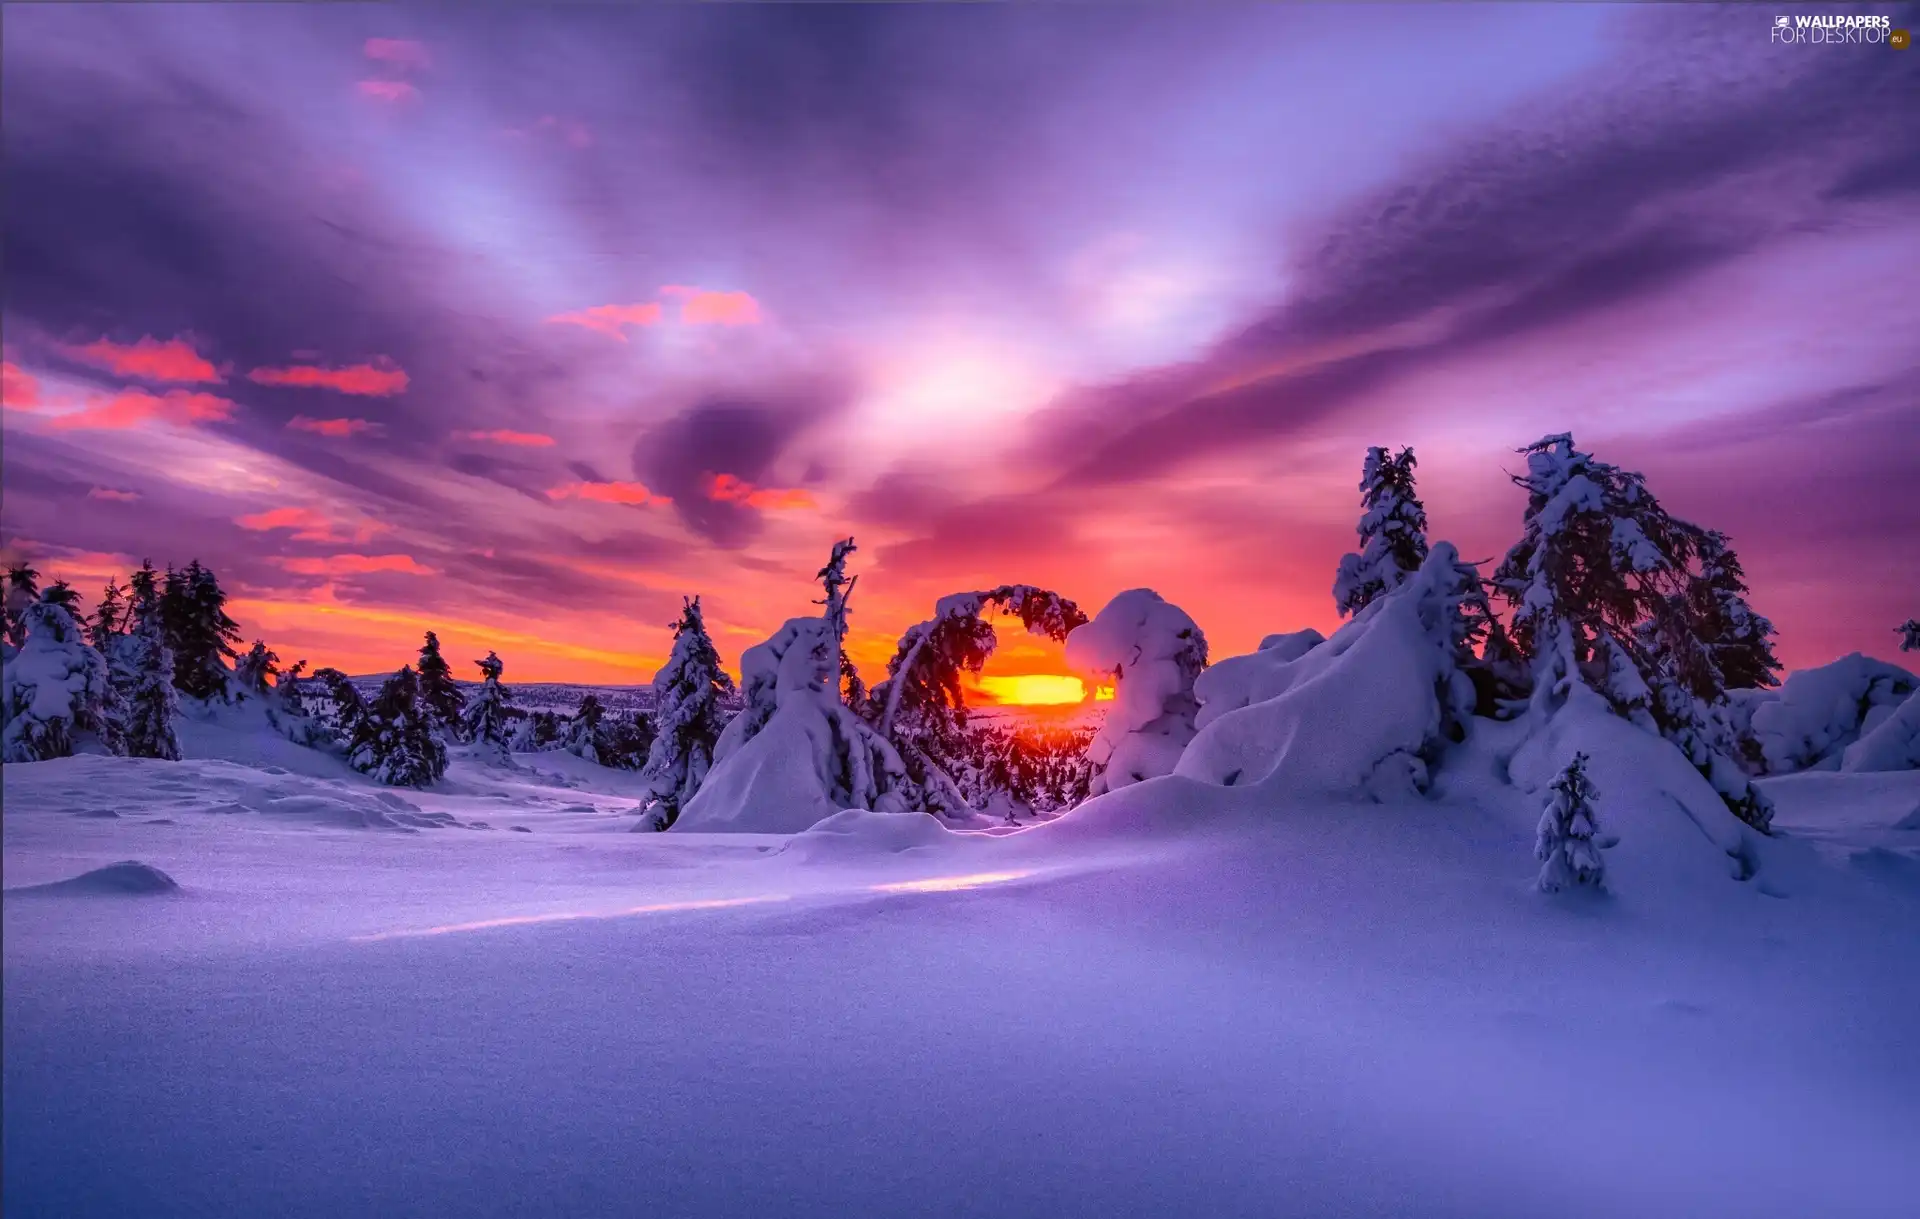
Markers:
point(1033, 689)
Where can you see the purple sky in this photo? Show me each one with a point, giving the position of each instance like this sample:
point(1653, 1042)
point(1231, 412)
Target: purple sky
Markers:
point(523, 323)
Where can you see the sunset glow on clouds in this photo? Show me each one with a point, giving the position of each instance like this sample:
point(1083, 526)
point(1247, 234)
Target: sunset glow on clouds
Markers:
point(375, 297)
point(150, 359)
point(364, 379)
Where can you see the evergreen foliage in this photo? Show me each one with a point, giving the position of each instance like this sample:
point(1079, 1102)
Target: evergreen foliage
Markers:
point(488, 718)
point(438, 692)
point(1392, 529)
point(687, 718)
point(1565, 843)
point(396, 742)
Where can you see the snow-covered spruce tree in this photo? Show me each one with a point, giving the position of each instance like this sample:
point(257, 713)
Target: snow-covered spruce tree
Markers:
point(255, 673)
point(438, 691)
point(1910, 635)
point(582, 738)
point(201, 635)
point(488, 719)
point(110, 618)
point(397, 744)
point(687, 719)
point(1741, 641)
point(293, 694)
point(1392, 529)
point(921, 709)
point(623, 742)
point(810, 757)
point(65, 596)
point(348, 711)
point(1151, 651)
point(56, 694)
point(1600, 582)
point(838, 587)
point(1565, 845)
point(22, 593)
point(143, 670)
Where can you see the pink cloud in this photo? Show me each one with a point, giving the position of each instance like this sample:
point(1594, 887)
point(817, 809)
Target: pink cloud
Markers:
point(611, 319)
point(633, 494)
point(332, 427)
point(308, 524)
point(135, 407)
point(109, 493)
point(378, 380)
point(149, 359)
point(403, 53)
point(700, 307)
point(354, 565)
point(531, 440)
point(727, 488)
point(19, 389)
point(389, 92)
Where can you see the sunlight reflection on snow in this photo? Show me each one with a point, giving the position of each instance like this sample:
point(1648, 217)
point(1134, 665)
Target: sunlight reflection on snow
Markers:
point(570, 915)
point(950, 884)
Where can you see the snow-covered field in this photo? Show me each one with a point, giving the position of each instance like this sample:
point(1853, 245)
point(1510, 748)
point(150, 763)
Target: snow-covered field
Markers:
point(1180, 999)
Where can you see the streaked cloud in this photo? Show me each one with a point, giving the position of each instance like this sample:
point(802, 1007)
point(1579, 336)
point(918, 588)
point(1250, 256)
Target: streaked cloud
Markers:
point(726, 488)
point(353, 565)
point(380, 380)
point(612, 320)
point(332, 427)
point(402, 53)
point(113, 494)
point(19, 389)
point(387, 92)
point(507, 436)
point(632, 494)
point(149, 359)
point(135, 408)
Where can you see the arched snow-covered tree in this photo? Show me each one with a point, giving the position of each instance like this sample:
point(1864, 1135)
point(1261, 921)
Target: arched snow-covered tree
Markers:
point(1392, 529)
point(396, 743)
point(921, 708)
point(56, 694)
point(1151, 651)
point(687, 719)
point(489, 714)
point(439, 694)
point(1565, 843)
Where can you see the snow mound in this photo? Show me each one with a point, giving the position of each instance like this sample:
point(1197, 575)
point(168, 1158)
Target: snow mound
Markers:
point(1241, 681)
point(1808, 723)
point(1894, 745)
point(1668, 820)
point(1359, 714)
point(858, 832)
point(127, 878)
point(808, 759)
point(1152, 651)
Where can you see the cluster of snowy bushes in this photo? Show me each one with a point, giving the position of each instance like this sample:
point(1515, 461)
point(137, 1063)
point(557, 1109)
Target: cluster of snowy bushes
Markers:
point(1609, 615)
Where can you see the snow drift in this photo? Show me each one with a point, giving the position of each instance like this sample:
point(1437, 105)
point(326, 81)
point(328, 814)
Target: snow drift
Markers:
point(1363, 713)
point(1152, 652)
point(1811, 720)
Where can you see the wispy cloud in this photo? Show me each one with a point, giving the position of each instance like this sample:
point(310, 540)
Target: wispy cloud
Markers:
point(353, 565)
point(310, 525)
point(19, 389)
point(332, 427)
point(114, 494)
point(530, 440)
point(612, 320)
point(402, 53)
point(703, 307)
point(633, 494)
point(379, 380)
point(388, 92)
point(134, 408)
point(728, 489)
point(148, 358)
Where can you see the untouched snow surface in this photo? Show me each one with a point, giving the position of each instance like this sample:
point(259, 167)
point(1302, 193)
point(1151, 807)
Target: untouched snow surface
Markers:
point(1179, 1000)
